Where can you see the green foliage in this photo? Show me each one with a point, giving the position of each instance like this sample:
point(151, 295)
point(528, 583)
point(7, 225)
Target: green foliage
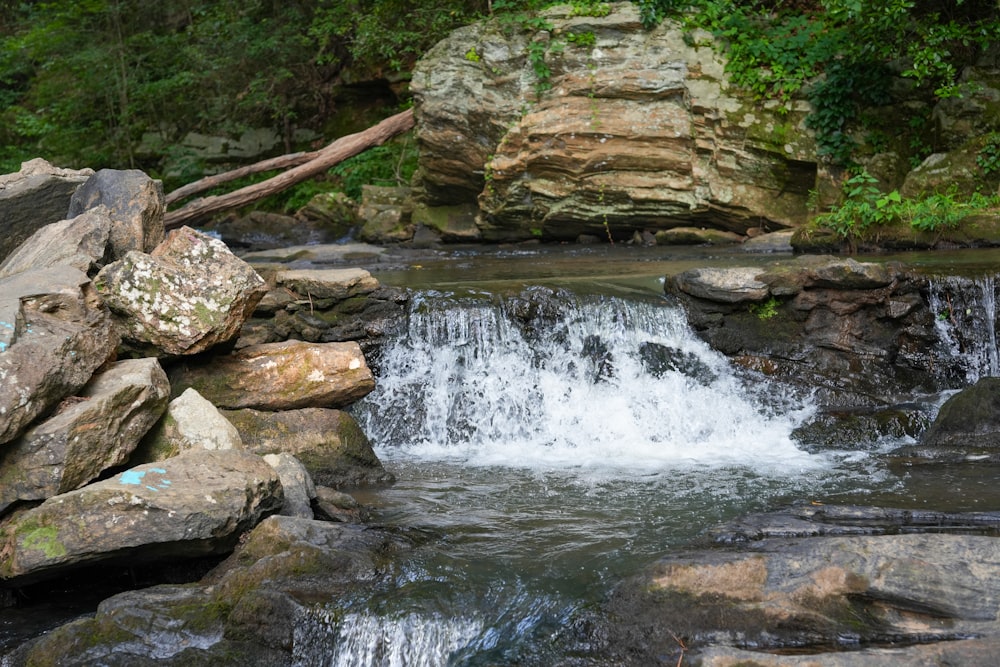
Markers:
point(392, 163)
point(765, 310)
point(865, 206)
point(988, 157)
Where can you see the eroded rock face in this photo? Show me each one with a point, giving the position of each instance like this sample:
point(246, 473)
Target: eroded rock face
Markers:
point(281, 376)
point(860, 332)
point(637, 132)
point(36, 196)
point(189, 295)
point(192, 505)
point(96, 430)
point(54, 333)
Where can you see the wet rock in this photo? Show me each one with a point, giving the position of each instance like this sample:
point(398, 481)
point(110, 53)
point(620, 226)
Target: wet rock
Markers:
point(297, 484)
point(191, 422)
point(659, 359)
point(81, 243)
point(330, 444)
point(135, 203)
point(54, 333)
point(94, 431)
point(194, 504)
point(967, 652)
point(967, 427)
point(821, 593)
point(333, 505)
point(860, 332)
point(35, 196)
point(189, 295)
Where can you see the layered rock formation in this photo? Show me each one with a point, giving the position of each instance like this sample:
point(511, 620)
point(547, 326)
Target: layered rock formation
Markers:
point(636, 131)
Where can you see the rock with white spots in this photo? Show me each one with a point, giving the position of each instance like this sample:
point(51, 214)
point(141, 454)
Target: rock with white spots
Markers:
point(94, 431)
point(54, 333)
point(195, 504)
point(280, 376)
point(190, 294)
point(135, 203)
point(191, 422)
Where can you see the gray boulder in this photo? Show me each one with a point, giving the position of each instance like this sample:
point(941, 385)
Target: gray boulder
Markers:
point(297, 484)
point(280, 376)
point(81, 243)
point(191, 422)
point(35, 196)
point(135, 203)
point(54, 333)
point(92, 432)
point(195, 504)
point(330, 444)
point(190, 294)
point(967, 427)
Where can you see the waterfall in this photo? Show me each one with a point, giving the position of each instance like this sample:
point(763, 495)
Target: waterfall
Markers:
point(965, 310)
point(556, 380)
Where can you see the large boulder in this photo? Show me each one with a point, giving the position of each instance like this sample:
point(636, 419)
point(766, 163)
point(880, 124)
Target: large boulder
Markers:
point(189, 295)
point(35, 196)
point(54, 333)
point(250, 610)
point(195, 504)
point(135, 203)
point(91, 433)
point(81, 243)
point(280, 376)
point(297, 484)
point(334, 449)
point(638, 130)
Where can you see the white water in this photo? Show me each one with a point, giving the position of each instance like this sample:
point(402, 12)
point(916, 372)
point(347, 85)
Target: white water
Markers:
point(966, 323)
point(467, 385)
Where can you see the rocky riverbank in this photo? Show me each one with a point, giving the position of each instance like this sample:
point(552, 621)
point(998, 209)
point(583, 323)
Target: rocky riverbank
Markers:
point(147, 421)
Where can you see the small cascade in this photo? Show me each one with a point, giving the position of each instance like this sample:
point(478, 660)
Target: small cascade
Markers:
point(966, 322)
point(574, 382)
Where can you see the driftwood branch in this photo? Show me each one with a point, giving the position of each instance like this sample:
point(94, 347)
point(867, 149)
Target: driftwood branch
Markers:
point(321, 161)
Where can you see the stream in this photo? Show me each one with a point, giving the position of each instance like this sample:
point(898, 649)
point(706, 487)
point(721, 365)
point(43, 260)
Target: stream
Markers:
point(555, 426)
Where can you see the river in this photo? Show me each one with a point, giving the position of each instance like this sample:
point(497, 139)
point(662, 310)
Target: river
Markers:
point(555, 426)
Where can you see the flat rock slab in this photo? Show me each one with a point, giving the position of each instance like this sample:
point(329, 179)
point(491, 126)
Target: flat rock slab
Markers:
point(335, 284)
point(81, 243)
point(317, 254)
point(281, 376)
point(195, 504)
point(734, 285)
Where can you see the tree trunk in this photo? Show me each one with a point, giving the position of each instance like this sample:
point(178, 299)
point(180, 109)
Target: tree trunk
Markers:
point(318, 162)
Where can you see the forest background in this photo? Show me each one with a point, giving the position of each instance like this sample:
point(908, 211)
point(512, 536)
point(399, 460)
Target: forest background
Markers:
point(121, 83)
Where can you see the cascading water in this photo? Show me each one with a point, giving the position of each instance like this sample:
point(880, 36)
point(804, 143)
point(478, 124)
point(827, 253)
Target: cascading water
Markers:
point(966, 322)
point(552, 444)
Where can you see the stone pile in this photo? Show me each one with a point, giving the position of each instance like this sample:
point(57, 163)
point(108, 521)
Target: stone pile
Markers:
point(116, 355)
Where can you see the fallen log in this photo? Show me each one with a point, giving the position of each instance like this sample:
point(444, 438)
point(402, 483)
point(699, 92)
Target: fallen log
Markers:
point(271, 164)
point(324, 159)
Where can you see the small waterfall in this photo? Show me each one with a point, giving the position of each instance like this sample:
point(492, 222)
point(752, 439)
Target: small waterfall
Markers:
point(966, 314)
point(556, 380)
